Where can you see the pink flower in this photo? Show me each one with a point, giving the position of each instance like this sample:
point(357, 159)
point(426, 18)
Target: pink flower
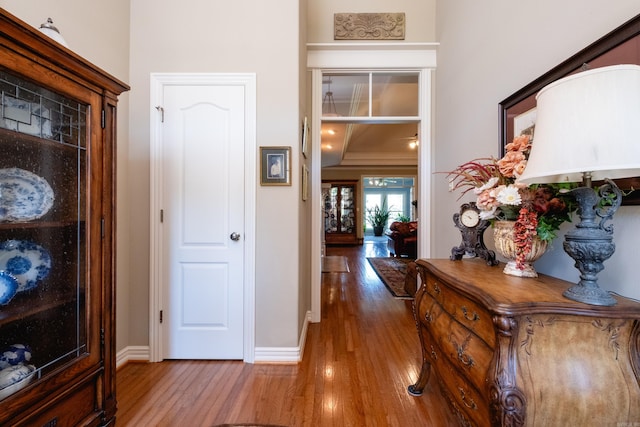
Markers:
point(509, 162)
point(519, 143)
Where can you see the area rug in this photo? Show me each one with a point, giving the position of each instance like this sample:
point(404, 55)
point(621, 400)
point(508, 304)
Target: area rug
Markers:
point(335, 264)
point(392, 272)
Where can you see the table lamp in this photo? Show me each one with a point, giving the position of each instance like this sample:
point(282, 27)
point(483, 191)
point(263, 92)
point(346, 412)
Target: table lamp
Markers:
point(588, 128)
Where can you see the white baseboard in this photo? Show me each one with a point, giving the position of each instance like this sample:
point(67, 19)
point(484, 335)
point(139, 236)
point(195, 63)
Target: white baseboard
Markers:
point(262, 354)
point(133, 353)
point(284, 354)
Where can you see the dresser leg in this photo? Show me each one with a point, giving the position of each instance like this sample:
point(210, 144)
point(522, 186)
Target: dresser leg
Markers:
point(417, 388)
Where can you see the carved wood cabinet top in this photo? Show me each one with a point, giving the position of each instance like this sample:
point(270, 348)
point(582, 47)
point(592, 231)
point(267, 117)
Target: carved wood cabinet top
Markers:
point(510, 295)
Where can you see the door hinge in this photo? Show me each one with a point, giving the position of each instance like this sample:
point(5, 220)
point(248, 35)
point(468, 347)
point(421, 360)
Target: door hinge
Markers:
point(103, 119)
point(161, 110)
point(102, 227)
point(161, 215)
point(160, 316)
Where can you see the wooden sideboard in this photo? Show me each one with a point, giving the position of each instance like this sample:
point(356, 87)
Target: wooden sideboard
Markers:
point(510, 351)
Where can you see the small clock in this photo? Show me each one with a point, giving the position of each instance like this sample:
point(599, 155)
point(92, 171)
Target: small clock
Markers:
point(470, 217)
point(472, 227)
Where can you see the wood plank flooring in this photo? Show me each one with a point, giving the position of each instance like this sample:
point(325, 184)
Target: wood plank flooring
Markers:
point(356, 367)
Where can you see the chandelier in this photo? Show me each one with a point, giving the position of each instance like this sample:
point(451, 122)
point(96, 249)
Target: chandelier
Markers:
point(328, 103)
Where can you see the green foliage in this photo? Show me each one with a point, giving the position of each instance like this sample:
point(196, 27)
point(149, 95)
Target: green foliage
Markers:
point(403, 218)
point(549, 222)
point(378, 215)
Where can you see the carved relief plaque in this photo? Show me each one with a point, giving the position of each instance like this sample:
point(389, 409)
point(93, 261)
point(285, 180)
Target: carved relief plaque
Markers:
point(368, 26)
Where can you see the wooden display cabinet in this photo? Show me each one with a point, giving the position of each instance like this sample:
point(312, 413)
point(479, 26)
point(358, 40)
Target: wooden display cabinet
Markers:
point(340, 212)
point(57, 232)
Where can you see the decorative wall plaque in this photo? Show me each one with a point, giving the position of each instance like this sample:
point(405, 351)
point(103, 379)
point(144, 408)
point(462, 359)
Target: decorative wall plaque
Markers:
point(368, 26)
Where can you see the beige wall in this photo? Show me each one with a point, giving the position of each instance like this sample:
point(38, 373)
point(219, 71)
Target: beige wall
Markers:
point(490, 49)
point(229, 37)
point(419, 15)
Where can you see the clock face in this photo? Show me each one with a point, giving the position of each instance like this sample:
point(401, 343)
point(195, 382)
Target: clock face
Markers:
point(469, 218)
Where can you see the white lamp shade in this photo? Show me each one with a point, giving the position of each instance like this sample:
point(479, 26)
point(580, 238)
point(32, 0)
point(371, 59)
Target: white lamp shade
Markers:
point(587, 122)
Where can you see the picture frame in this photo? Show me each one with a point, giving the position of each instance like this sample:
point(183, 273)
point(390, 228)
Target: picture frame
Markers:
point(305, 182)
point(275, 165)
point(620, 46)
point(305, 137)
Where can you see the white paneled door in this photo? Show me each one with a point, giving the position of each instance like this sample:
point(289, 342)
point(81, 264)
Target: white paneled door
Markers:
point(202, 220)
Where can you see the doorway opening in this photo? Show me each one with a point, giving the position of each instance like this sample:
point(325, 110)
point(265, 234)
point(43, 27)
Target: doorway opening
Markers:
point(408, 65)
point(396, 193)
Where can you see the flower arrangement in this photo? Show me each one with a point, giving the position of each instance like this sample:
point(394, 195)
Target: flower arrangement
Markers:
point(538, 210)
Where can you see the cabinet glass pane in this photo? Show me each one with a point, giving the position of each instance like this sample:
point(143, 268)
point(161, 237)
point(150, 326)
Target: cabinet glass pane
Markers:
point(43, 220)
point(331, 210)
point(347, 210)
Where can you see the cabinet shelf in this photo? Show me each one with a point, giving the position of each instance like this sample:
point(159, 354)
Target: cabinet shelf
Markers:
point(36, 225)
point(31, 303)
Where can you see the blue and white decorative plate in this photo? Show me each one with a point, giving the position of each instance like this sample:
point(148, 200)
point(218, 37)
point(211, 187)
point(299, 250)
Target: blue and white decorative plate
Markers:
point(15, 378)
point(8, 288)
point(28, 262)
point(24, 196)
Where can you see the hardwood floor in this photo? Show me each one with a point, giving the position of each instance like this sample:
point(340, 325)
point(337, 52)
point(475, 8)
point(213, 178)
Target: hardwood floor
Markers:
point(357, 364)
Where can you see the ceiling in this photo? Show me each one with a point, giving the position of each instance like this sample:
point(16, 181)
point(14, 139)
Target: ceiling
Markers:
point(385, 140)
point(368, 144)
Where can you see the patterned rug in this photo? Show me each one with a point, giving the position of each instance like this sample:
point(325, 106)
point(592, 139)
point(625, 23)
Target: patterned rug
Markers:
point(335, 264)
point(392, 272)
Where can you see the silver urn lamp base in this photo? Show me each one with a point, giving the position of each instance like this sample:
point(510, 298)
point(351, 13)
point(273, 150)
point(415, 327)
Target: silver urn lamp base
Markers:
point(591, 242)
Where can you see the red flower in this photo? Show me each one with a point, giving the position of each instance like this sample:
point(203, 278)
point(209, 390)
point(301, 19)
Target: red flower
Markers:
point(524, 231)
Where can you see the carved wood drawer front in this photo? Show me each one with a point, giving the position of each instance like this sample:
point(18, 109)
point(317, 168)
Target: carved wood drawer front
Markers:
point(596, 349)
point(467, 402)
point(546, 361)
point(468, 313)
point(460, 345)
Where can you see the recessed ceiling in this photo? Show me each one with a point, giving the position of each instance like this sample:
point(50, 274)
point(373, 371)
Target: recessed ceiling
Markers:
point(386, 107)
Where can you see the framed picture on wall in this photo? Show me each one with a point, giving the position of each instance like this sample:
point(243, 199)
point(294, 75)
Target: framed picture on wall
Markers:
point(517, 113)
point(275, 165)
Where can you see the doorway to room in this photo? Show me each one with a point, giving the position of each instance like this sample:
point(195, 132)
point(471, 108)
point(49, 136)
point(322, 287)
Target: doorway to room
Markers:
point(396, 194)
point(408, 60)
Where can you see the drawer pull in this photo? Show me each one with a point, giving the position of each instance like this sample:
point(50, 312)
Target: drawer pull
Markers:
point(463, 397)
point(436, 288)
point(465, 359)
point(473, 318)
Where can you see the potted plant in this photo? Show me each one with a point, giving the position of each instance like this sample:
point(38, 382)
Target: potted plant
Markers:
point(378, 216)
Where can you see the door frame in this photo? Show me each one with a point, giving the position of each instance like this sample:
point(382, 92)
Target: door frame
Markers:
point(158, 81)
point(326, 57)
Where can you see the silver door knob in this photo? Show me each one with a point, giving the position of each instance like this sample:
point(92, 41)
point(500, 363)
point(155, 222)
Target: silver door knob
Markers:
point(235, 237)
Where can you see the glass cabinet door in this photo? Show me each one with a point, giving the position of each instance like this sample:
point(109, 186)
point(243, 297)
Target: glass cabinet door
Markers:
point(340, 212)
point(43, 232)
point(347, 210)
